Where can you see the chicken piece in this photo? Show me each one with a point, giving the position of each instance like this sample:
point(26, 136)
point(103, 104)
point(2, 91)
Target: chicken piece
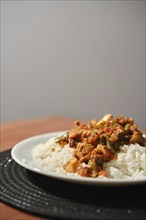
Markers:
point(71, 166)
point(62, 140)
point(136, 138)
point(88, 171)
point(77, 134)
point(96, 160)
point(107, 117)
point(113, 138)
point(85, 158)
point(82, 150)
point(84, 171)
point(93, 139)
point(107, 154)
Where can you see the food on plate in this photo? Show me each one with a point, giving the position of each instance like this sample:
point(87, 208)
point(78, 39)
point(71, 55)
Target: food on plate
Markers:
point(108, 148)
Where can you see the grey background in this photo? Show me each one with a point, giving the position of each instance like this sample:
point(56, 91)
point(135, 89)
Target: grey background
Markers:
point(79, 59)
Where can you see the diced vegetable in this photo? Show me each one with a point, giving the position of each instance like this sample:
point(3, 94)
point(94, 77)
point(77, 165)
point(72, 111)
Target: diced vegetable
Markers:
point(99, 141)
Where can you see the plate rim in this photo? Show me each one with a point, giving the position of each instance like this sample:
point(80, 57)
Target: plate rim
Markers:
point(67, 178)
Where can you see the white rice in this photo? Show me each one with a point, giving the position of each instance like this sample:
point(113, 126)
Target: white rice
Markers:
point(130, 162)
point(51, 156)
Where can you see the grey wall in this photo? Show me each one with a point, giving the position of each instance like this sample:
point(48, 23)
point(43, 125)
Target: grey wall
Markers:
point(77, 59)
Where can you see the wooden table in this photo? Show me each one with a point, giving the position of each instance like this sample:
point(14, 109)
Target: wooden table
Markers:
point(12, 133)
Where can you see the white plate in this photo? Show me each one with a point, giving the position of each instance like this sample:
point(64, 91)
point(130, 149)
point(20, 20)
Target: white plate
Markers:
point(22, 154)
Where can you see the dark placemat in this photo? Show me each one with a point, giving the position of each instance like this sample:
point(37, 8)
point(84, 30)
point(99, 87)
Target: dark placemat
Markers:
point(46, 197)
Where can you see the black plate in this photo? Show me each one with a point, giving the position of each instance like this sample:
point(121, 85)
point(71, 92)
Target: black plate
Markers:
point(46, 197)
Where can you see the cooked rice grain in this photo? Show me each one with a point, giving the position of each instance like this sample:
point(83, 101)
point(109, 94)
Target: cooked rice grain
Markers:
point(130, 162)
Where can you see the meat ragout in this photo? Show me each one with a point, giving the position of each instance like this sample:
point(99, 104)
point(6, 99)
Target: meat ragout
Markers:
point(98, 142)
